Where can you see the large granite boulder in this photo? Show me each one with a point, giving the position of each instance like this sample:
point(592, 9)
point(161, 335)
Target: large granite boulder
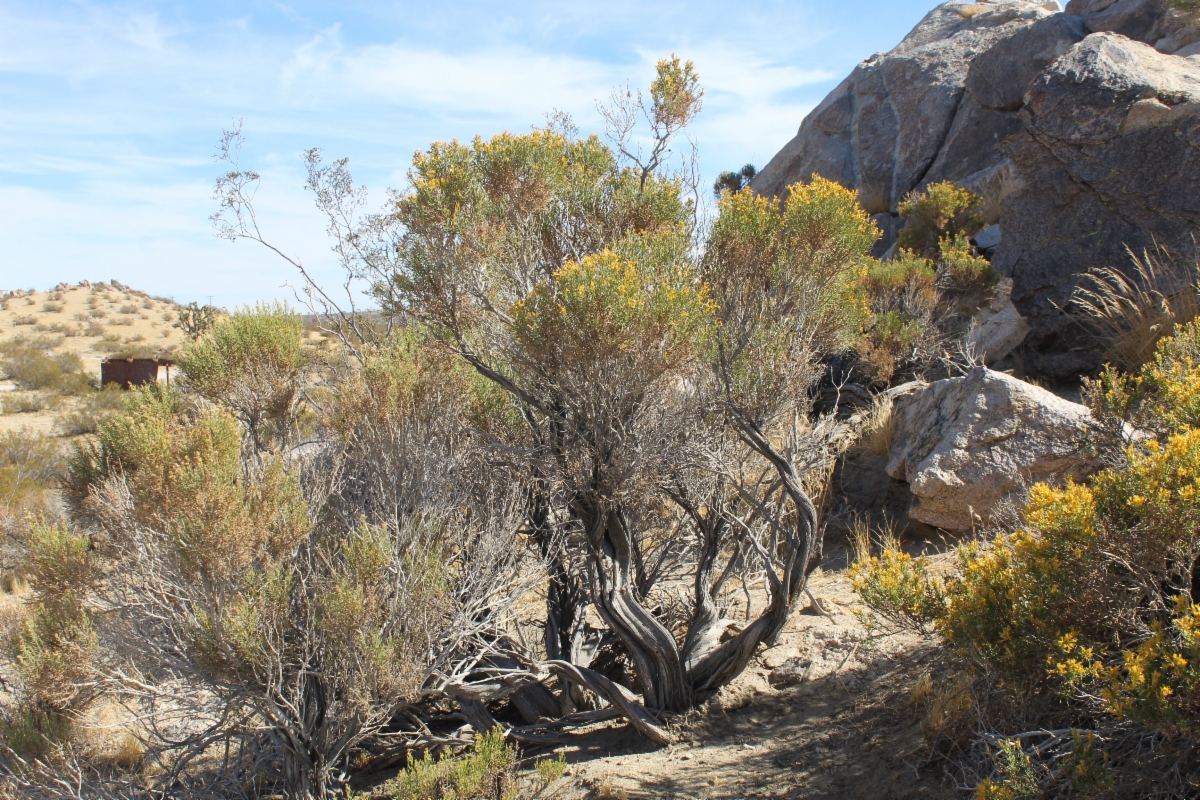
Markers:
point(1110, 159)
point(900, 119)
point(1081, 135)
point(966, 445)
point(999, 77)
point(1151, 21)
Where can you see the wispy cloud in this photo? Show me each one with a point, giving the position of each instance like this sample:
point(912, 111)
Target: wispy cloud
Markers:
point(112, 108)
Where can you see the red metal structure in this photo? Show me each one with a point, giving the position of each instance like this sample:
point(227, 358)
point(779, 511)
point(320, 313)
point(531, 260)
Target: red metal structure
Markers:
point(133, 371)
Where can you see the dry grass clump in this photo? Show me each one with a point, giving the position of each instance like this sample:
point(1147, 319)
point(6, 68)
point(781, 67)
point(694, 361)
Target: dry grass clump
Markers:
point(91, 410)
point(968, 10)
point(30, 467)
point(875, 199)
point(878, 428)
point(1130, 311)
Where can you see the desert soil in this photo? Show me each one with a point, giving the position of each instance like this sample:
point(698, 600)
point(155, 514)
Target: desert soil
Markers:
point(848, 731)
point(92, 322)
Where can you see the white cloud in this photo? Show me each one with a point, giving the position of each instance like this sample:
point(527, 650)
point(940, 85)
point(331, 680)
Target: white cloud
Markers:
point(112, 111)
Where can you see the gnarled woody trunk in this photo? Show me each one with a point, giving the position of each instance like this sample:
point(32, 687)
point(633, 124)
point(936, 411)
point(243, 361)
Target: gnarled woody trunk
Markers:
point(673, 678)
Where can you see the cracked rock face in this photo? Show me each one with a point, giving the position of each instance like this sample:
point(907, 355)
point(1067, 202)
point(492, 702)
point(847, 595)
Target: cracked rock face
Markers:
point(966, 445)
point(1110, 159)
point(900, 119)
point(1079, 127)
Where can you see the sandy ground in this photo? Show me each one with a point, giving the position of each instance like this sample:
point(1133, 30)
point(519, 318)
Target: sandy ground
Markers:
point(93, 322)
point(848, 731)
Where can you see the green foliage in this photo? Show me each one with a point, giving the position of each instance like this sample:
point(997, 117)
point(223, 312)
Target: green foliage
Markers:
point(734, 181)
point(895, 586)
point(251, 362)
point(31, 365)
point(182, 470)
point(1087, 764)
point(943, 211)
point(609, 308)
point(54, 650)
point(808, 250)
point(964, 271)
point(900, 295)
point(1017, 779)
point(34, 732)
point(906, 272)
point(551, 769)
point(476, 776)
point(674, 93)
point(196, 320)
point(30, 466)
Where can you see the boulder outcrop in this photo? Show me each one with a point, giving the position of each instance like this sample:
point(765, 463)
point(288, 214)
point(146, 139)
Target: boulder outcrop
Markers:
point(1079, 129)
point(1110, 159)
point(967, 444)
point(882, 130)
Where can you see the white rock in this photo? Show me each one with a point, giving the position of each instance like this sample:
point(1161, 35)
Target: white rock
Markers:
point(998, 328)
point(966, 444)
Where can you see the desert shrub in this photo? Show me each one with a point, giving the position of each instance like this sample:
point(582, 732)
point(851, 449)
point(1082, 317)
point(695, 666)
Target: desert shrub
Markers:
point(95, 329)
point(314, 626)
point(901, 331)
point(92, 409)
point(943, 211)
point(25, 319)
point(30, 467)
point(31, 365)
point(250, 362)
point(128, 308)
point(961, 269)
point(479, 775)
point(896, 587)
point(24, 402)
point(1090, 602)
point(488, 772)
point(54, 650)
point(52, 308)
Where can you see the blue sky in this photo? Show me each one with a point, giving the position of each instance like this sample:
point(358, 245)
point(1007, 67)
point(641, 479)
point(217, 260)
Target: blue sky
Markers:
point(110, 112)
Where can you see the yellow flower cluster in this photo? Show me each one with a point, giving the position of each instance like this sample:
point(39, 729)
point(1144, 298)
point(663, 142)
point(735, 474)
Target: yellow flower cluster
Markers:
point(609, 303)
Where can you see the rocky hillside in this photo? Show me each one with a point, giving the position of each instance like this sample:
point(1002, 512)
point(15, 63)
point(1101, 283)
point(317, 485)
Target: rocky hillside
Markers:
point(1079, 127)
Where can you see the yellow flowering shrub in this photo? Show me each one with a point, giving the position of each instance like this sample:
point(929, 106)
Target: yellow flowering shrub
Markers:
point(896, 586)
point(795, 260)
point(1093, 595)
point(606, 306)
point(961, 269)
point(1158, 681)
point(943, 210)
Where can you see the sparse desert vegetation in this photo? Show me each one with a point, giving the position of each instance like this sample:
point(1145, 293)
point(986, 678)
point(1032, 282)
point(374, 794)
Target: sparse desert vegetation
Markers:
point(870, 473)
